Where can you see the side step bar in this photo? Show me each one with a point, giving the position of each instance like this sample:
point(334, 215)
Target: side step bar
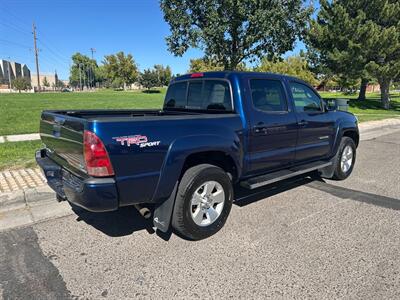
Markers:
point(262, 180)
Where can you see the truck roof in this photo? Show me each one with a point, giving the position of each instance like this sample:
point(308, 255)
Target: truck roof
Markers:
point(230, 74)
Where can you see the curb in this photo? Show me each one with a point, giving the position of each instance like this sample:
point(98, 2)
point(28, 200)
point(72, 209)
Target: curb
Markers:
point(375, 125)
point(27, 207)
point(28, 197)
point(373, 129)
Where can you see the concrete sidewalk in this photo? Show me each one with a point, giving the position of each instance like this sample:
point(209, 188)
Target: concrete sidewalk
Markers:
point(20, 137)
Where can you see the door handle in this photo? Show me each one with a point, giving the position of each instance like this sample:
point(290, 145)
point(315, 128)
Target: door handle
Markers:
point(260, 129)
point(302, 123)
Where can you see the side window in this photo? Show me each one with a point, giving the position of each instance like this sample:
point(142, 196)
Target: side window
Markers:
point(305, 99)
point(176, 95)
point(268, 95)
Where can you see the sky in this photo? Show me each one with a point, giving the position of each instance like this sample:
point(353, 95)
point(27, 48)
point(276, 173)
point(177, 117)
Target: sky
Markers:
point(68, 26)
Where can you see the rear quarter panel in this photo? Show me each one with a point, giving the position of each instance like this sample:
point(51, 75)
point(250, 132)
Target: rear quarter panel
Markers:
point(148, 174)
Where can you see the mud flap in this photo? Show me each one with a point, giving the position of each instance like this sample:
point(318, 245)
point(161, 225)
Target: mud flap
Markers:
point(328, 171)
point(163, 212)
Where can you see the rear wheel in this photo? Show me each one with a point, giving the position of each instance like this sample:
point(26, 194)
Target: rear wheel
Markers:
point(203, 202)
point(345, 159)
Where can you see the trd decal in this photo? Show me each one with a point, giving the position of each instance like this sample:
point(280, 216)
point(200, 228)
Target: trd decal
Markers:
point(140, 140)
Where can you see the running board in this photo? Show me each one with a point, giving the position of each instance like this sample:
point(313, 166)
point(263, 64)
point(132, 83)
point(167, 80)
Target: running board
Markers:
point(262, 180)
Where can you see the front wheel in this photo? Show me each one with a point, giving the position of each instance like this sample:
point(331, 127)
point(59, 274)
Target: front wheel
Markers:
point(203, 202)
point(346, 157)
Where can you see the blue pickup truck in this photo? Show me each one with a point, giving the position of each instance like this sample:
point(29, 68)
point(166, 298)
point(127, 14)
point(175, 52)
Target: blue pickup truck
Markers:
point(179, 164)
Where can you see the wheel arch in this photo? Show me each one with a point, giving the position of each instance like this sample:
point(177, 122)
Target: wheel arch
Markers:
point(224, 152)
point(353, 134)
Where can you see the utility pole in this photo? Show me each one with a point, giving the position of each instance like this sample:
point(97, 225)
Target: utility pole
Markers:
point(80, 77)
point(91, 75)
point(36, 55)
point(92, 50)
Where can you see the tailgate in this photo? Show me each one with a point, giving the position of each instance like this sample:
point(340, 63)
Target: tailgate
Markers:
point(63, 137)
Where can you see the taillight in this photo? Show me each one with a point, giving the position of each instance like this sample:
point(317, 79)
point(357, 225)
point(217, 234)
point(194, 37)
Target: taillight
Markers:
point(98, 163)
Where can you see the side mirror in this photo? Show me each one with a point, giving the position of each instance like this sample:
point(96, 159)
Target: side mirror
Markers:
point(330, 104)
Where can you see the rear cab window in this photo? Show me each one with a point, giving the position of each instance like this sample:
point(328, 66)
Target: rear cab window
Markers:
point(204, 95)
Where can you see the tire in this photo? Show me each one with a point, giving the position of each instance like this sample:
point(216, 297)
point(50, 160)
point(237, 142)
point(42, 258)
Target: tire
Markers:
point(343, 170)
point(203, 191)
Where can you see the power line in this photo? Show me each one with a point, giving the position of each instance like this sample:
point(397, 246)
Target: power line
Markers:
point(14, 43)
point(56, 55)
point(15, 17)
point(15, 28)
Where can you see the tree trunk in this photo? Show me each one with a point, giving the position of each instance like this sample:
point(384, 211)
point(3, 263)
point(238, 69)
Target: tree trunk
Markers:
point(384, 84)
point(363, 89)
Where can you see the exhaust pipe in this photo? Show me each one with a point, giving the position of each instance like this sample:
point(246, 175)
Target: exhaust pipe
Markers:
point(144, 211)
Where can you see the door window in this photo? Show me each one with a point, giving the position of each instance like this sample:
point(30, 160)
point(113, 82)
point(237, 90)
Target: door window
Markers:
point(268, 95)
point(305, 99)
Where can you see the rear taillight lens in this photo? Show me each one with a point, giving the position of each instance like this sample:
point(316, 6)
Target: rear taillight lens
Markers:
point(98, 163)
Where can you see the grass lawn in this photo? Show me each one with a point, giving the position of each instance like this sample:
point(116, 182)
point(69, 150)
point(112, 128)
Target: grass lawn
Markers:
point(371, 108)
point(18, 154)
point(20, 113)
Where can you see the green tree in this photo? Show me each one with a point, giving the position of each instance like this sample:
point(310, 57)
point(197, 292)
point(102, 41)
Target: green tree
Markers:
point(203, 65)
point(294, 66)
point(359, 39)
point(207, 65)
point(46, 82)
point(21, 84)
point(59, 84)
point(101, 75)
point(233, 31)
point(121, 68)
point(164, 74)
point(149, 79)
point(83, 71)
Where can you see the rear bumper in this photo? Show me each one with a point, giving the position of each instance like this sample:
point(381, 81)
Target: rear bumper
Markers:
point(93, 194)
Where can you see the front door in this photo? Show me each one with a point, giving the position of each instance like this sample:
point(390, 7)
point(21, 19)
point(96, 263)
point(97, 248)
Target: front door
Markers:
point(316, 132)
point(273, 125)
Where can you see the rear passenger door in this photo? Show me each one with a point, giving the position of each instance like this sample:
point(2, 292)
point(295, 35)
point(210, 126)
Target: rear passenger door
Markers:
point(273, 126)
point(316, 130)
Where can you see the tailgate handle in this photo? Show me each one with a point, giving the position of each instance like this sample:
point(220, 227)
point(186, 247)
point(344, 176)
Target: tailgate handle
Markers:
point(59, 121)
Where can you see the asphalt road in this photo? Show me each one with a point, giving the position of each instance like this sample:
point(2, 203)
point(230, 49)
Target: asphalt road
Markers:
point(303, 238)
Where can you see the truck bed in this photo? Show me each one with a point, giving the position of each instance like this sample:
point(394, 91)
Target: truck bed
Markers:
point(100, 114)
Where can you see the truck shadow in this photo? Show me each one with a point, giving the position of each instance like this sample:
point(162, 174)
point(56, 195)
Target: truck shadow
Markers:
point(124, 221)
point(127, 220)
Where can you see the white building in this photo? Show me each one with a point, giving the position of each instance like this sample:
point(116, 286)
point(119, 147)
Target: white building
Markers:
point(9, 70)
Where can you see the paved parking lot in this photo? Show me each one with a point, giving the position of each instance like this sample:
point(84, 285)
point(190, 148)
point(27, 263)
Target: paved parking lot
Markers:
point(303, 238)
